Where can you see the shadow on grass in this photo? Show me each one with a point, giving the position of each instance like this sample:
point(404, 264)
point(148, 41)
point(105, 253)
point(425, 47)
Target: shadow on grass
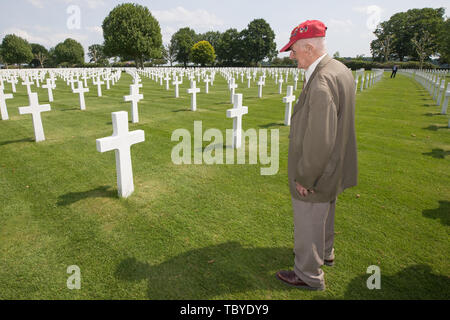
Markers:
point(442, 213)
point(100, 192)
point(272, 124)
point(4, 143)
point(71, 109)
point(209, 272)
point(435, 128)
point(415, 282)
point(430, 114)
point(437, 153)
point(181, 110)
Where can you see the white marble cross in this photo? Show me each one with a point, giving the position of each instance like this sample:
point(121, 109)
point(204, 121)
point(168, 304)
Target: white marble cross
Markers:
point(236, 113)
point(288, 100)
point(193, 90)
point(167, 79)
point(13, 81)
point(295, 82)
point(134, 97)
point(49, 86)
point(97, 82)
point(72, 82)
point(280, 87)
point(260, 86)
point(35, 110)
point(107, 78)
point(232, 86)
point(27, 83)
point(249, 77)
point(176, 83)
point(121, 141)
point(207, 81)
point(3, 109)
point(81, 92)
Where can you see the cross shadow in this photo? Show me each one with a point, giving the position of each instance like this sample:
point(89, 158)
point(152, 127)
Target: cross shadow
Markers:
point(16, 141)
point(437, 153)
point(273, 124)
point(208, 272)
point(442, 213)
point(100, 192)
point(71, 109)
point(415, 282)
point(430, 114)
point(435, 128)
point(181, 110)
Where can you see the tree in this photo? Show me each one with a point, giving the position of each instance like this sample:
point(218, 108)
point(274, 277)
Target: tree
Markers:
point(258, 42)
point(403, 25)
point(444, 42)
point(16, 50)
point(203, 53)
point(96, 53)
point(183, 40)
point(69, 52)
point(424, 46)
point(169, 53)
point(228, 47)
point(213, 37)
point(130, 30)
point(40, 54)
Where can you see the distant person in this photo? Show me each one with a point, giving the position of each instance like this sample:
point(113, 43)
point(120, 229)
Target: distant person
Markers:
point(394, 71)
point(322, 159)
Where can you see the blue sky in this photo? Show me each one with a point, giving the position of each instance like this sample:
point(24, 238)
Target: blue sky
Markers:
point(350, 23)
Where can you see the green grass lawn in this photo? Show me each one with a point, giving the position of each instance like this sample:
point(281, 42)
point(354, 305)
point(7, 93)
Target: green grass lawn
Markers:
point(216, 231)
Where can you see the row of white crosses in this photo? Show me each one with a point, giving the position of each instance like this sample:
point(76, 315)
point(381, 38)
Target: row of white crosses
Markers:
point(434, 82)
point(365, 79)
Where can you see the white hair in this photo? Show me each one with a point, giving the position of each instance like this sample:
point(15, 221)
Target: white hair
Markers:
point(319, 44)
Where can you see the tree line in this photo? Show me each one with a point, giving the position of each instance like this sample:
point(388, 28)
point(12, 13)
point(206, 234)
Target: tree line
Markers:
point(131, 32)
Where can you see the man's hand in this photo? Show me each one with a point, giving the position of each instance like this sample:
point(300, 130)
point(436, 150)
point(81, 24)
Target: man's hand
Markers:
point(302, 190)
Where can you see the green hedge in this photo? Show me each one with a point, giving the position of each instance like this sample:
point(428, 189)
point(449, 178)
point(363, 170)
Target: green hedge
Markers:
point(369, 65)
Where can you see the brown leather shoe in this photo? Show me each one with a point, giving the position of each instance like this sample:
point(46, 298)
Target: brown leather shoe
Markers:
point(329, 263)
point(291, 279)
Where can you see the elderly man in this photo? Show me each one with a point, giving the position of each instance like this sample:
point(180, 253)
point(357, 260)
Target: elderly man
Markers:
point(322, 153)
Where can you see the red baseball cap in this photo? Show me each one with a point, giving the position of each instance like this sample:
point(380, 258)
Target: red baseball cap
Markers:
point(306, 30)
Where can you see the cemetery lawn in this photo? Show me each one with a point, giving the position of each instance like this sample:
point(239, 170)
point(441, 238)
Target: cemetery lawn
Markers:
point(216, 231)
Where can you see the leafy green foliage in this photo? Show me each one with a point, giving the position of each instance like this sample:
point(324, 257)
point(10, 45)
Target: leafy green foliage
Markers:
point(16, 50)
point(130, 30)
point(69, 52)
point(203, 53)
point(229, 47)
point(402, 27)
point(182, 41)
point(444, 42)
point(96, 53)
point(40, 54)
point(258, 42)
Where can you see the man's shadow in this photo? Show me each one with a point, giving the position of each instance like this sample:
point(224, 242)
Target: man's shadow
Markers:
point(209, 272)
point(413, 283)
point(442, 213)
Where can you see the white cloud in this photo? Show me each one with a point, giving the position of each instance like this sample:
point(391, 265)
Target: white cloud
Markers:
point(36, 3)
point(48, 39)
point(340, 25)
point(181, 17)
point(95, 29)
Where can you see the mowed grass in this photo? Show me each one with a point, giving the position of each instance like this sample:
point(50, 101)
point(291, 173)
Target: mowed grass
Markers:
point(216, 231)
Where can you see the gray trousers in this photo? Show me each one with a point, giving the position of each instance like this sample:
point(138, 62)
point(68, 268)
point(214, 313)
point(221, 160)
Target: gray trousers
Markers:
point(313, 239)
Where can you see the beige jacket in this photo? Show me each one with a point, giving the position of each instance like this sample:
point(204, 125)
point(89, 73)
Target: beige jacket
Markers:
point(322, 145)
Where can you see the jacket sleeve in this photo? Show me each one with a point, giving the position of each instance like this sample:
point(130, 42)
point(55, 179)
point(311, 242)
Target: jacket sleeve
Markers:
point(320, 137)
